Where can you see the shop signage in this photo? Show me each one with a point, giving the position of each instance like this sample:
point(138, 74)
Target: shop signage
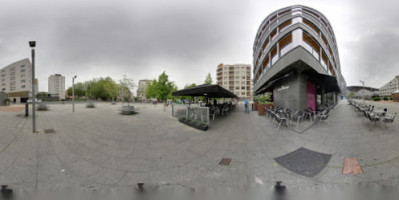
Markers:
point(283, 88)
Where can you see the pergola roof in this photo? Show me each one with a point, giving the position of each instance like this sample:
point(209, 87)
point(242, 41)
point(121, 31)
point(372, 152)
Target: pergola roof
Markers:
point(211, 91)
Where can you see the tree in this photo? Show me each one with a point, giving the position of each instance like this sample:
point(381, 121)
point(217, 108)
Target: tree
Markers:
point(151, 90)
point(208, 79)
point(128, 84)
point(164, 86)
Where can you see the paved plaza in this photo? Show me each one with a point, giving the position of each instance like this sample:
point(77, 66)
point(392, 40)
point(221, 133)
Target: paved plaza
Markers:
point(100, 148)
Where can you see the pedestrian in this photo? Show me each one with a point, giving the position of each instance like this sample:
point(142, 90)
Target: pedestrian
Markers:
point(246, 106)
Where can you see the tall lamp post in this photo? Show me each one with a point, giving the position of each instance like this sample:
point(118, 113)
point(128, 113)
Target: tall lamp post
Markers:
point(73, 93)
point(32, 44)
point(363, 89)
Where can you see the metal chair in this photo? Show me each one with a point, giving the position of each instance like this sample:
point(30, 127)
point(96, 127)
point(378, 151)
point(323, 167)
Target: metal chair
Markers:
point(373, 118)
point(390, 119)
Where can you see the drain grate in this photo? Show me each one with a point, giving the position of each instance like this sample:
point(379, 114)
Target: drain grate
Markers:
point(304, 162)
point(225, 161)
point(352, 166)
point(48, 131)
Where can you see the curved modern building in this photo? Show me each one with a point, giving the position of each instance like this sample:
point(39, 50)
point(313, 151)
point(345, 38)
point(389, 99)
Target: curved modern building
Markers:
point(296, 58)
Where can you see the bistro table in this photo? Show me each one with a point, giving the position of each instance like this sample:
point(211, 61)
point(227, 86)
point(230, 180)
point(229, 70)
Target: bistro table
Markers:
point(379, 113)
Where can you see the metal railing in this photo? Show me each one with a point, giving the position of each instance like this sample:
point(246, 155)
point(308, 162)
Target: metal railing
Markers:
point(193, 112)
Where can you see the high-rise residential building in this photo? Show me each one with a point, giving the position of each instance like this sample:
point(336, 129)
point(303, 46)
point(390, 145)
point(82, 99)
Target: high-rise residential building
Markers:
point(296, 58)
point(143, 85)
point(235, 78)
point(56, 85)
point(16, 80)
point(390, 87)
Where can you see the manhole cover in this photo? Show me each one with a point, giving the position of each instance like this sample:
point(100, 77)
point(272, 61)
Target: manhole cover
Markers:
point(225, 161)
point(304, 162)
point(352, 166)
point(48, 131)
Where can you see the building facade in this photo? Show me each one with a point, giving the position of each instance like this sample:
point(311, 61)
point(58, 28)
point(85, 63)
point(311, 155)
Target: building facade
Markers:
point(16, 80)
point(358, 92)
point(235, 78)
point(295, 56)
point(56, 86)
point(142, 88)
point(389, 87)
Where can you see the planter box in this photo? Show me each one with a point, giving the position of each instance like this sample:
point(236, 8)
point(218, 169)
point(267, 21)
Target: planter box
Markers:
point(261, 108)
point(256, 105)
point(202, 128)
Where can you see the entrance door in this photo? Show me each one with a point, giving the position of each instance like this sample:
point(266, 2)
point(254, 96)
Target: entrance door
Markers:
point(311, 95)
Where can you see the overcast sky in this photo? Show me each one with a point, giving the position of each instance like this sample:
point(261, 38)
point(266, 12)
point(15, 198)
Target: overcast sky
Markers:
point(187, 39)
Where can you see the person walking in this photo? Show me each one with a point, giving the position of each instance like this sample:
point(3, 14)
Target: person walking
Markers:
point(246, 106)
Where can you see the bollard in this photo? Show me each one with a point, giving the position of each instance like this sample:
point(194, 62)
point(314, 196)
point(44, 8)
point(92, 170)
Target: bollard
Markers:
point(252, 106)
point(26, 109)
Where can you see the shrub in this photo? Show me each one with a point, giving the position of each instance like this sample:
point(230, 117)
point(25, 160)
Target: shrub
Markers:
point(376, 98)
point(386, 99)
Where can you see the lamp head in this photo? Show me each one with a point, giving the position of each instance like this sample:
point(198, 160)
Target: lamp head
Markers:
point(75, 76)
point(32, 44)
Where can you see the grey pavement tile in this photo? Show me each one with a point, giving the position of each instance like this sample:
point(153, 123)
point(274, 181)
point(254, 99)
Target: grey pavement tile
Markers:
point(99, 148)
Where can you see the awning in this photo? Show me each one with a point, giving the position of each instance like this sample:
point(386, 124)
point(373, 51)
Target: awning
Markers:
point(269, 84)
point(211, 91)
point(329, 83)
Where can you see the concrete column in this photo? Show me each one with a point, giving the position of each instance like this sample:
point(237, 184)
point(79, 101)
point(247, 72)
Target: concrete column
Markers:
point(323, 96)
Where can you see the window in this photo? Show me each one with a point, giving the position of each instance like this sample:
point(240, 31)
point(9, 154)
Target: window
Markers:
point(285, 24)
point(312, 43)
point(243, 88)
point(243, 82)
point(242, 93)
point(265, 63)
point(324, 39)
point(237, 77)
point(22, 66)
point(311, 25)
point(273, 34)
point(274, 55)
point(237, 88)
point(23, 81)
point(3, 84)
point(22, 86)
point(243, 77)
point(237, 82)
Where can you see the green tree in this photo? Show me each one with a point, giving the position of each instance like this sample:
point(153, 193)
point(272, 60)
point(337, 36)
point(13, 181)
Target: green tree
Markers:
point(164, 86)
point(208, 79)
point(161, 88)
point(151, 90)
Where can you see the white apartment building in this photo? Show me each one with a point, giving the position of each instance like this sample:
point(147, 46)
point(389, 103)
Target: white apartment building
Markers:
point(143, 84)
point(16, 80)
point(389, 87)
point(235, 78)
point(56, 85)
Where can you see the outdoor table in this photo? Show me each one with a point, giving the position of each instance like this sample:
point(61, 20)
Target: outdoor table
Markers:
point(379, 113)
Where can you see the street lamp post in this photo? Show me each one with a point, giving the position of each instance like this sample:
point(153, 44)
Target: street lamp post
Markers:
point(363, 89)
point(32, 44)
point(73, 93)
